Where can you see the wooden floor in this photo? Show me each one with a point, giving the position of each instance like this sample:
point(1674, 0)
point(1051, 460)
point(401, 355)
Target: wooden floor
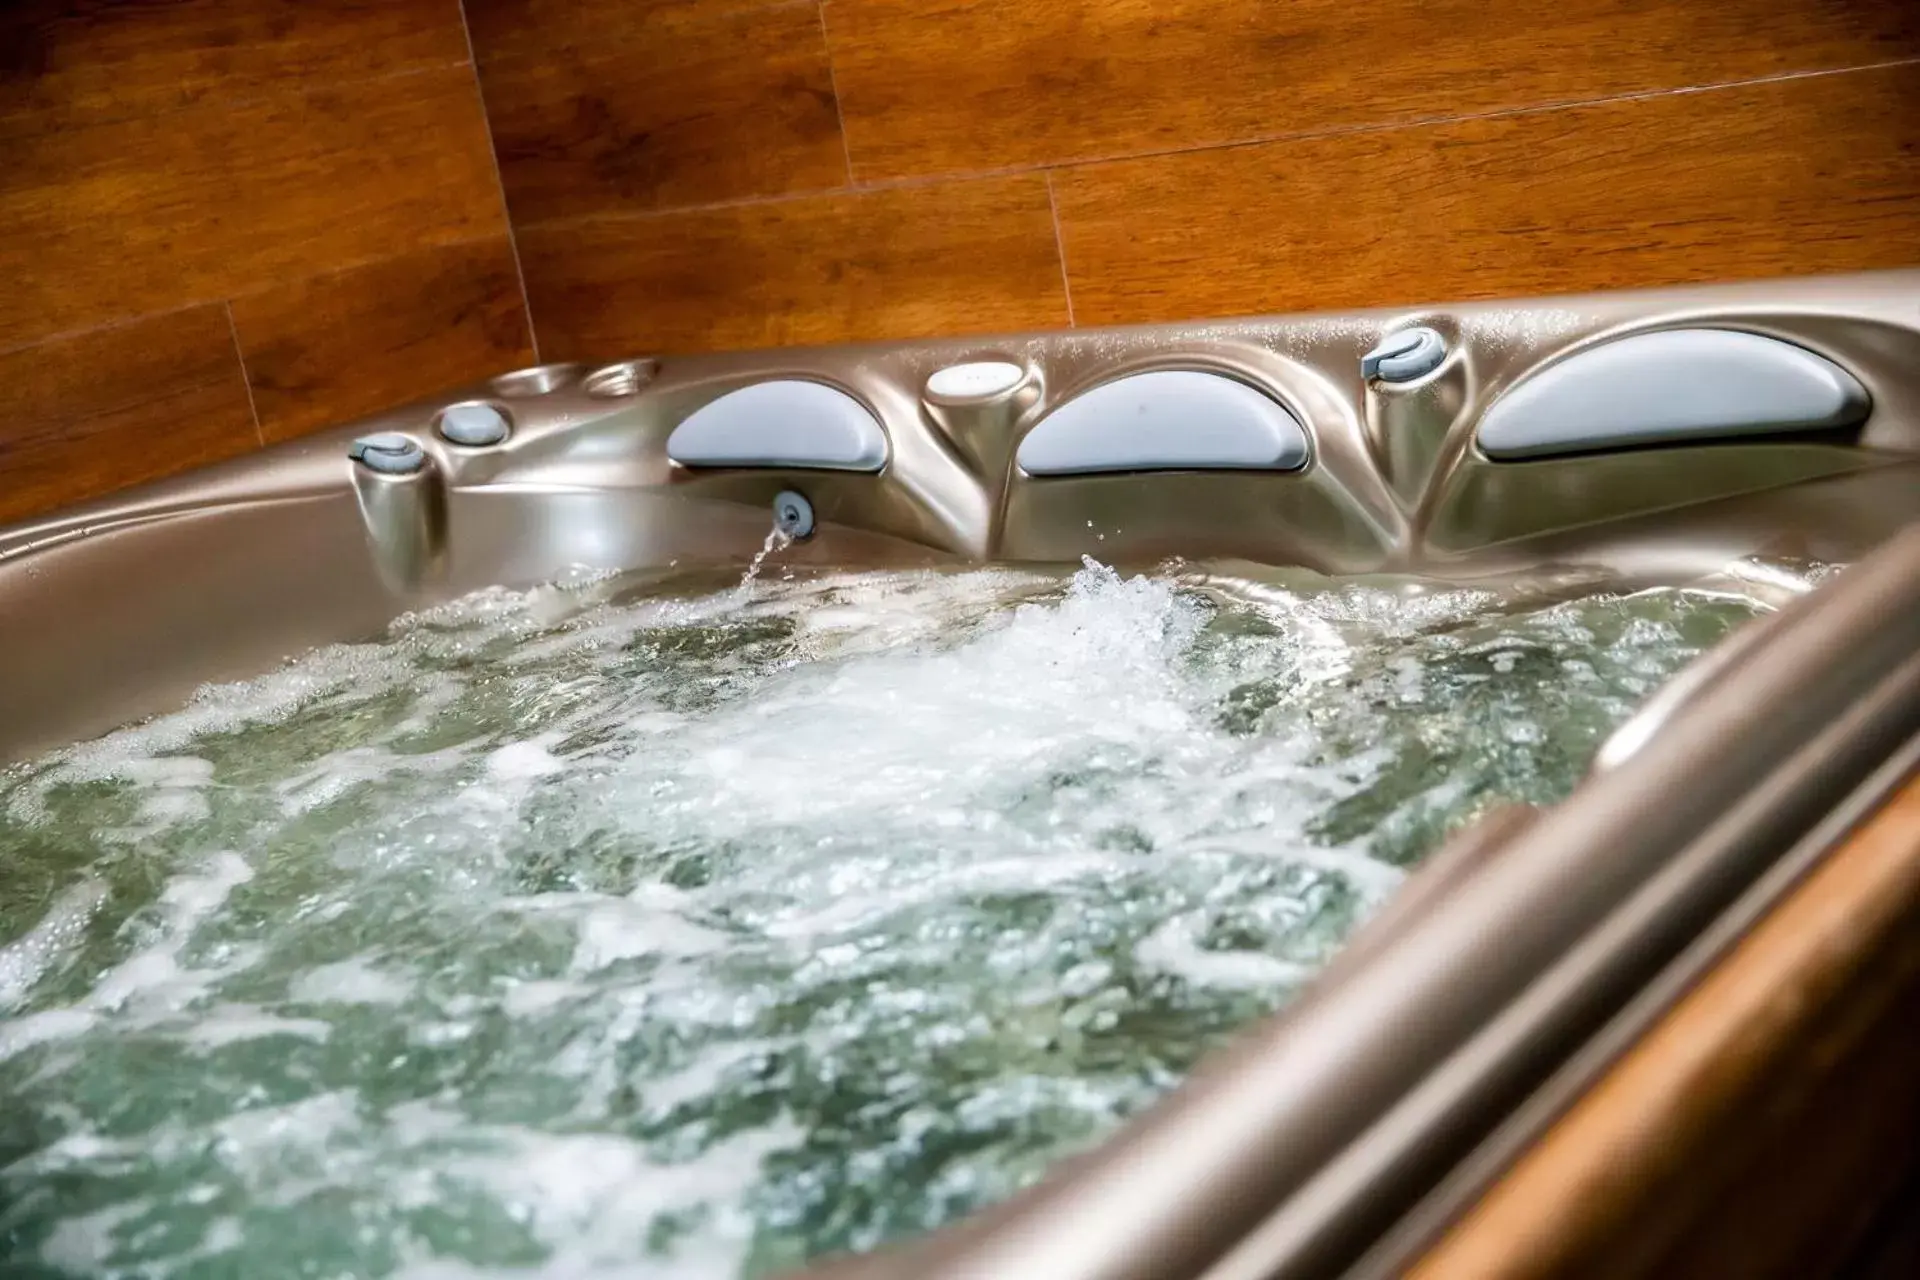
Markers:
point(321, 208)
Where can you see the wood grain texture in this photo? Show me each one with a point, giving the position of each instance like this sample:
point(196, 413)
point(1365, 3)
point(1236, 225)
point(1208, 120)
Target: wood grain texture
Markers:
point(133, 216)
point(1788, 177)
point(86, 415)
point(328, 349)
point(905, 262)
point(1751, 1132)
point(64, 63)
point(733, 105)
point(499, 27)
point(965, 86)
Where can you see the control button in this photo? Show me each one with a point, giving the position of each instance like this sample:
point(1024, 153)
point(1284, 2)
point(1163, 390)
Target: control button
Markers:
point(975, 380)
point(473, 425)
point(389, 453)
point(1404, 356)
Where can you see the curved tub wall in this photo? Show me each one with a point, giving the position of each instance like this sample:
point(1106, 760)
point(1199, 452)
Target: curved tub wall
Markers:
point(1474, 502)
point(1327, 510)
point(1393, 479)
point(978, 405)
point(1408, 423)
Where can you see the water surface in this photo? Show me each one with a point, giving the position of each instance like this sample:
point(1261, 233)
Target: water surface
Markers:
point(656, 927)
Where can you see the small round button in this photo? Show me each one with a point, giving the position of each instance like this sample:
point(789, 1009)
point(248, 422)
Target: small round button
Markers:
point(388, 452)
point(975, 380)
point(473, 425)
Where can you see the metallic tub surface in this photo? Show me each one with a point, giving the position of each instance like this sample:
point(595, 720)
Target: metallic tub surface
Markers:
point(1317, 1134)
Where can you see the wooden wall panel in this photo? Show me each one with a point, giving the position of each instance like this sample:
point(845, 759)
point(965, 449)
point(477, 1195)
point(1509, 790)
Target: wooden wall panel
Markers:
point(1785, 177)
point(113, 220)
point(714, 108)
point(1207, 157)
point(353, 342)
point(956, 258)
point(959, 87)
point(64, 63)
point(500, 27)
point(322, 165)
point(114, 407)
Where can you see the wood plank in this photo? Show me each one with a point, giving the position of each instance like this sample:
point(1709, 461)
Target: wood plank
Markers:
point(1746, 1132)
point(577, 26)
point(969, 85)
point(135, 216)
point(1788, 177)
point(330, 348)
point(84, 415)
point(905, 262)
point(726, 106)
point(64, 63)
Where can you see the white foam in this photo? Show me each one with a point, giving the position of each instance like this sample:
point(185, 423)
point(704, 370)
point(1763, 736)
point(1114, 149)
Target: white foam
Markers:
point(34, 1029)
point(223, 1235)
point(533, 998)
point(1175, 948)
point(350, 981)
point(226, 1024)
point(24, 961)
point(1409, 679)
point(702, 1078)
point(525, 761)
point(153, 979)
point(1371, 876)
point(88, 1242)
point(284, 1154)
point(138, 753)
point(828, 745)
point(617, 930)
point(338, 773)
point(589, 1197)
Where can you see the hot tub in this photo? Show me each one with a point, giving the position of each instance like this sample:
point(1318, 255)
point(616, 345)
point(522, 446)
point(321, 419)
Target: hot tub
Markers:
point(725, 698)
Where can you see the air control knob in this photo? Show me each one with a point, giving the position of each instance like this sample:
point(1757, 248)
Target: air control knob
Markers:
point(1405, 356)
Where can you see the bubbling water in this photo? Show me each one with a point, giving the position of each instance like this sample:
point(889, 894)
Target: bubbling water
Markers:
point(660, 926)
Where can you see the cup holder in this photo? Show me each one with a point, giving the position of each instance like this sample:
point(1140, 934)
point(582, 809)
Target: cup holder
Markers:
point(537, 381)
point(629, 377)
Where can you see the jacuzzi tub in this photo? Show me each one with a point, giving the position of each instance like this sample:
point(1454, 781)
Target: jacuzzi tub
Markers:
point(1695, 436)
